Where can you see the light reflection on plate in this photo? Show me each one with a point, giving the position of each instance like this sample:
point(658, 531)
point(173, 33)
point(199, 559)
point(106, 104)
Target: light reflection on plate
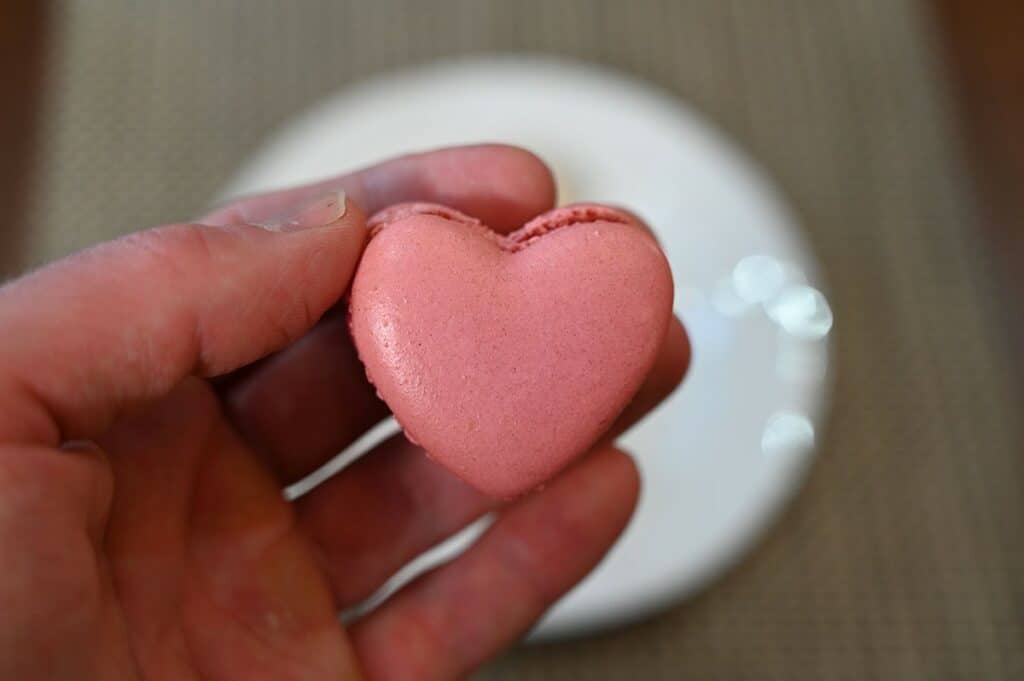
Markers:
point(723, 454)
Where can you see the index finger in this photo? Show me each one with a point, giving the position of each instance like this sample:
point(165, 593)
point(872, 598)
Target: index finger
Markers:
point(502, 185)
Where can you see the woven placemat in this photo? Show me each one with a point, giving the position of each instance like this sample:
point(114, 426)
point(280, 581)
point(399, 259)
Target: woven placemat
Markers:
point(904, 555)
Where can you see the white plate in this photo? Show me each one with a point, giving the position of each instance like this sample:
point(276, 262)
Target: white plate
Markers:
point(719, 458)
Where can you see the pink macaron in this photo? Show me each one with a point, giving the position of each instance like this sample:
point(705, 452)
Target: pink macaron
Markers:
point(506, 357)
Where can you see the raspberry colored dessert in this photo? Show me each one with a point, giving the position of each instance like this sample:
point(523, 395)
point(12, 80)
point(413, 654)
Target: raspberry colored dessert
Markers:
point(505, 357)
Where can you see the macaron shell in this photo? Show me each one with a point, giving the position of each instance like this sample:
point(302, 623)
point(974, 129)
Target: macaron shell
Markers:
point(507, 361)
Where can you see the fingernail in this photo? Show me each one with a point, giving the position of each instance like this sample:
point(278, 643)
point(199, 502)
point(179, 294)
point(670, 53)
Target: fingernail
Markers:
point(320, 213)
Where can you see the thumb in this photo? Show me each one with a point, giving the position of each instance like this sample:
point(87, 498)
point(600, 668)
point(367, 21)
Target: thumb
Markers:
point(127, 320)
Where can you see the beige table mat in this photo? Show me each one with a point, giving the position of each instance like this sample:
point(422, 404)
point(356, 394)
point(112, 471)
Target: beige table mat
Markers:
point(904, 556)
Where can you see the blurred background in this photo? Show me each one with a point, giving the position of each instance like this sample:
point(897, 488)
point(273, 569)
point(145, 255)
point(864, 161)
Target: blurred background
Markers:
point(895, 128)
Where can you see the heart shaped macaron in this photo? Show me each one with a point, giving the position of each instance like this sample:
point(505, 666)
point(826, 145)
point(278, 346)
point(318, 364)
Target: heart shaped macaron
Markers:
point(505, 357)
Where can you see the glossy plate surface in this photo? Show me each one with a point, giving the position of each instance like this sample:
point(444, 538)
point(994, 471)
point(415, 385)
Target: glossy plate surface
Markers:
point(721, 457)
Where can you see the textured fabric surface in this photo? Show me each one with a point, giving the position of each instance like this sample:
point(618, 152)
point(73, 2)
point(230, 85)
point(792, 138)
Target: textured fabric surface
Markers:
point(904, 555)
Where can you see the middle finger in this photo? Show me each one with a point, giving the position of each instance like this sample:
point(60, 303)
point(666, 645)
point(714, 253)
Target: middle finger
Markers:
point(394, 503)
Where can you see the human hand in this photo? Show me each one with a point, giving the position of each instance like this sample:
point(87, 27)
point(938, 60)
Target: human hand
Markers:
point(159, 391)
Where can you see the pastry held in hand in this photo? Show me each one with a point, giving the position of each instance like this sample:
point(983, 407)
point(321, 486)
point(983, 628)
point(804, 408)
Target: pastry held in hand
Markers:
point(505, 357)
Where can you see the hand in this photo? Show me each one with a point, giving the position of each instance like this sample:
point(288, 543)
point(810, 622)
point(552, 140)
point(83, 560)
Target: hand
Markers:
point(147, 430)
